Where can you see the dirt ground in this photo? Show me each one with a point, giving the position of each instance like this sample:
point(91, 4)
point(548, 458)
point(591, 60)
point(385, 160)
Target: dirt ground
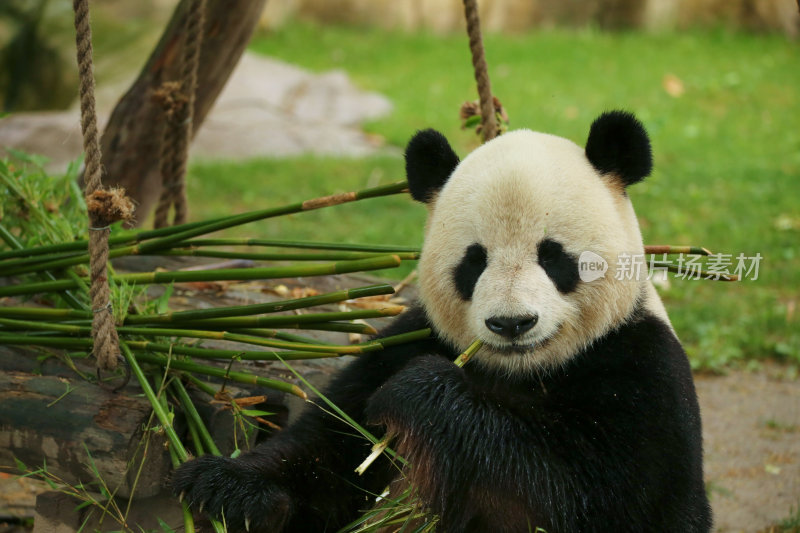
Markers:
point(751, 429)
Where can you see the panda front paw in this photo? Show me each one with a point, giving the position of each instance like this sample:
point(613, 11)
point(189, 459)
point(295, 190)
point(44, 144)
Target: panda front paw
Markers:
point(238, 494)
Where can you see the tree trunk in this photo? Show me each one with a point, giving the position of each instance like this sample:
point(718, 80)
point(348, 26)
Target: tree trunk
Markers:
point(131, 142)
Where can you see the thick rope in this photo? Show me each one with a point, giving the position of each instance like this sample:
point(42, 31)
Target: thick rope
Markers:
point(488, 118)
point(178, 101)
point(106, 342)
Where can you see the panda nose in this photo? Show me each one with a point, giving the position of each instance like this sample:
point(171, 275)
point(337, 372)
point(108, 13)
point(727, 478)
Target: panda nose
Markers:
point(511, 326)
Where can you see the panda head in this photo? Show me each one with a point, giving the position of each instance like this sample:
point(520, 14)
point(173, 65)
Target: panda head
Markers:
point(506, 228)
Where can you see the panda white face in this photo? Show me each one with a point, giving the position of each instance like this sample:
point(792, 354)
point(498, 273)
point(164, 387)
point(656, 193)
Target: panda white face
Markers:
point(500, 259)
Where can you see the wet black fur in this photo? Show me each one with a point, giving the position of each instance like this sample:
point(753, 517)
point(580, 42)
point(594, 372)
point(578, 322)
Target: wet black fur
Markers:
point(610, 442)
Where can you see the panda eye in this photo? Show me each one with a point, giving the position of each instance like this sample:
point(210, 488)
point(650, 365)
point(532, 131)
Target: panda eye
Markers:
point(559, 266)
point(469, 269)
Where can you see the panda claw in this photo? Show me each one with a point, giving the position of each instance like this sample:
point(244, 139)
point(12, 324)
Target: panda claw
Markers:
point(181, 496)
point(247, 524)
point(200, 509)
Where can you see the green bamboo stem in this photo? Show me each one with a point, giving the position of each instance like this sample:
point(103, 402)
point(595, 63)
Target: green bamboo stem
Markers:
point(143, 278)
point(253, 216)
point(227, 354)
point(275, 334)
point(188, 518)
point(199, 450)
point(191, 412)
point(235, 337)
point(200, 384)
point(55, 342)
point(192, 351)
point(163, 417)
point(376, 248)
point(43, 313)
point(13, 243)
point(300, 350)
point(240, 377)
point(343, 327)
point(30, 263)
point(270, 307)
point(305, 351)
point(16, 324)
point(296, 321)
point(284, 256)
point(464, 357)
point(672, 250)
point(186, 231)
point(47, 314)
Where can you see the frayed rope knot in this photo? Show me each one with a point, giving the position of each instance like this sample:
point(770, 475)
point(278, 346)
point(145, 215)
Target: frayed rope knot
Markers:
point(109, 206)
point(173, 100)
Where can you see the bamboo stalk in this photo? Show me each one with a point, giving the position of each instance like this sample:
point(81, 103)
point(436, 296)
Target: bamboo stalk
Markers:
point(300, 350)
point(141, 278)
point(377, 248)
point(245, 339)
point(344, 327)
point(188, 517)
point(199, 450)
point(205, 438)
point(669, 249)
point(200, 384)
point(283, 256)
point(43, 314)
point(176, 448)
point(161, 414)
point(240, 377)
point(55, 342)
point(200, 228)
point(197, 352)
point(464, 357)
point(227, 354)
point(270, 307)
point(305, 350)
point(296, 321)
point(67, 296)
point(275, 334)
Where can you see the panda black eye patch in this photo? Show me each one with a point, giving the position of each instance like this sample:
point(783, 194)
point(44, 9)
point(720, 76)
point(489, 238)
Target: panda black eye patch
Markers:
point(560, 267)
point(468, 271)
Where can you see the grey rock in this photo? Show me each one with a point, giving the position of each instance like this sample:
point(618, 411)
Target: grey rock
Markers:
point(268, 109)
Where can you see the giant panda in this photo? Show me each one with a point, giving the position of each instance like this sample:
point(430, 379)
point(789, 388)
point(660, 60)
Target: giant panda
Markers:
point(578, 414)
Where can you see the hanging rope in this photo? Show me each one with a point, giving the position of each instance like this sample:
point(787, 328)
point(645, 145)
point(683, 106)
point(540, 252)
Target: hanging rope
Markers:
point(177, 99)
point(488, 117)
point(104, 207)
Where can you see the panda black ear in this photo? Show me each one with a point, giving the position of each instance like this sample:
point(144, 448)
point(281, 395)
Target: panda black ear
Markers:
point(618, 144)
point(429, 162)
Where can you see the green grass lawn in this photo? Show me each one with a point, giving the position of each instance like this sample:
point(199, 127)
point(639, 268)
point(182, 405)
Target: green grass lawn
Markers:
point(727, 152)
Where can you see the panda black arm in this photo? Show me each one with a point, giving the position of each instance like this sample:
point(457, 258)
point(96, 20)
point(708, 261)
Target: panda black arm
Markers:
point(605, 444)
point(303, 479)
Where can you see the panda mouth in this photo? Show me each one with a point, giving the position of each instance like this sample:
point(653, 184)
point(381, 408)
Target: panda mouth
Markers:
point(517, 348)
